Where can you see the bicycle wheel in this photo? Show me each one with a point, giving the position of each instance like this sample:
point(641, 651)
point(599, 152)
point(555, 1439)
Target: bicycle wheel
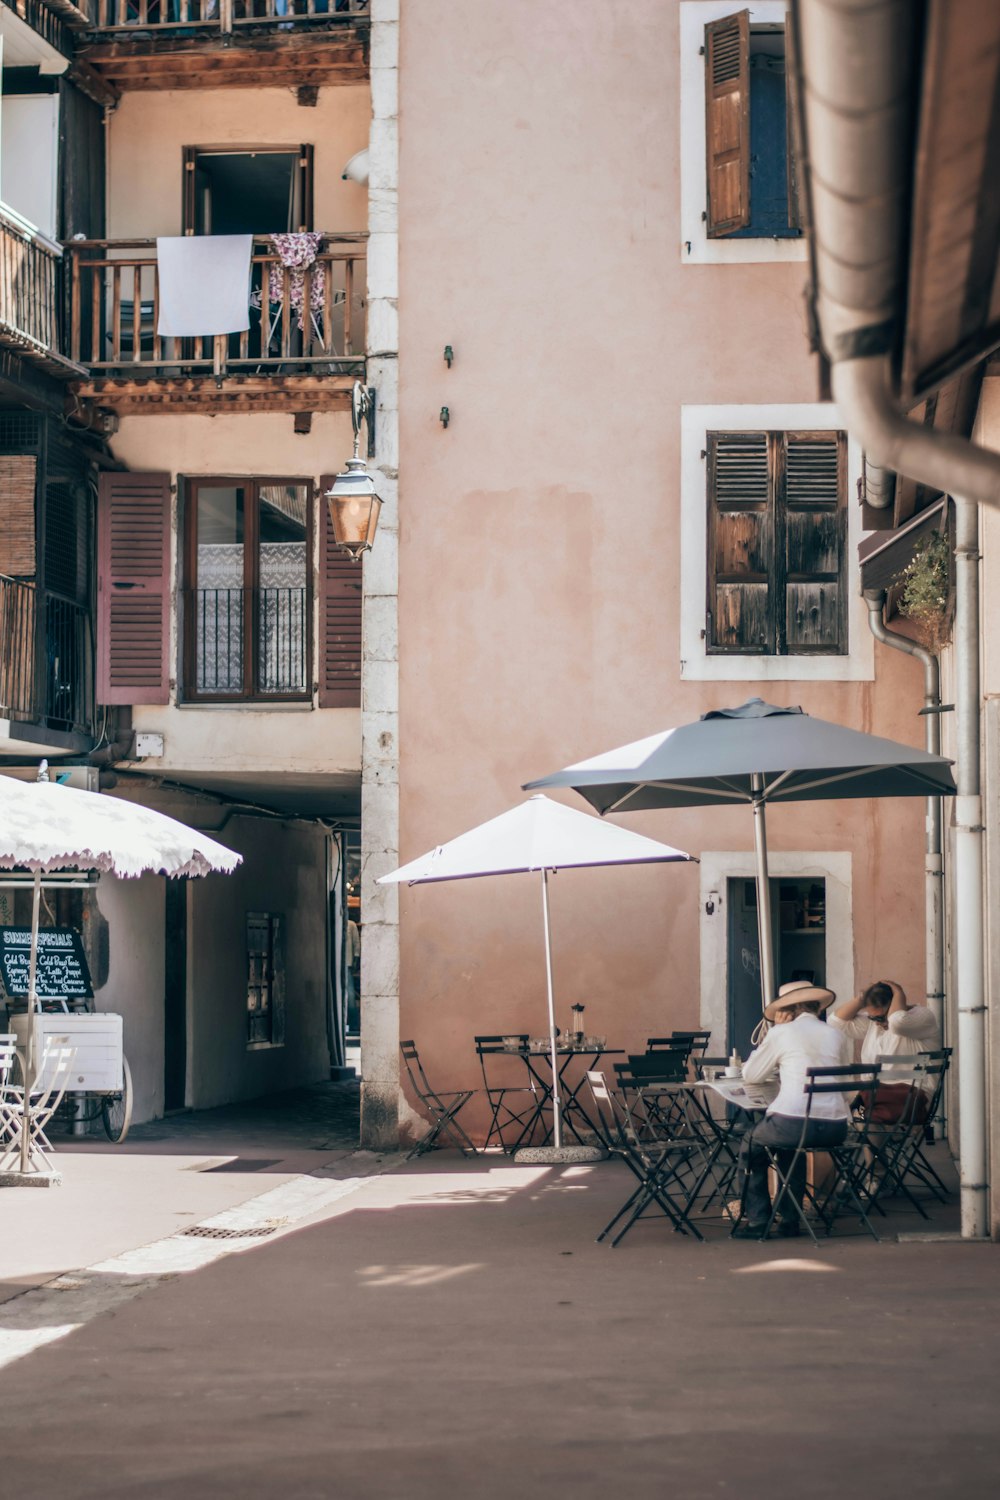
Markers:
point(116, 1109)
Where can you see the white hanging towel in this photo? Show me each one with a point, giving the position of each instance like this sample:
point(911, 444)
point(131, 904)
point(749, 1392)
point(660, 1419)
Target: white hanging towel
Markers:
point(204, 284)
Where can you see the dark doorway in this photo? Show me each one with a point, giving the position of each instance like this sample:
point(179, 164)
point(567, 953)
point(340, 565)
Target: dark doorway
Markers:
point(798, 924)
point(260, 191)
point(175, 997)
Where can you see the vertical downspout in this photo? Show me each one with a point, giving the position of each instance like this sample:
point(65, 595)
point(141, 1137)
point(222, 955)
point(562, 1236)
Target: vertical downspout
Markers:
point(970, 978)
point(933, 861)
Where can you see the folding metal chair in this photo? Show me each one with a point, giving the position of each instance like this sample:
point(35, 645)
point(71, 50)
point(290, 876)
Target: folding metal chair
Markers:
point(654, 1164)
point(699, 1044)
point(514, 1108)
point(441, 1107)
point(898, 1159)
point(45, 1098)
point(849, 1160)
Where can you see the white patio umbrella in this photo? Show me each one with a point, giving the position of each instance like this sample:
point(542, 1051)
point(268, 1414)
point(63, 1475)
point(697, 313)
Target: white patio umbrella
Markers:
point(537, 836)
point(46, 827)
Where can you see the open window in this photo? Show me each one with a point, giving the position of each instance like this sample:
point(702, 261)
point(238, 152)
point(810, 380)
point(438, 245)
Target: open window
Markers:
point(749, 152)
point(247, 629)
point(777, 543)
point(248, 189)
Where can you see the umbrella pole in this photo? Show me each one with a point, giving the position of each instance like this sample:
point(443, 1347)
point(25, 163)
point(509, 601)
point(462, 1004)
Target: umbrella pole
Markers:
point(29, 1046)
point(765, 937)
point(556, 1120)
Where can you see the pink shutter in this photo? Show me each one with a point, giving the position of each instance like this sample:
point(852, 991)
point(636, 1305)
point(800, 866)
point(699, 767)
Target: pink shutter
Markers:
point(339, 618)
point(133, 613)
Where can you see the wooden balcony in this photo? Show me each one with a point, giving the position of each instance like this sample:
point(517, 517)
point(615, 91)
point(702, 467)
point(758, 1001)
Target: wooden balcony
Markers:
point(302, 352)
point(29, 297)
point(170, 44)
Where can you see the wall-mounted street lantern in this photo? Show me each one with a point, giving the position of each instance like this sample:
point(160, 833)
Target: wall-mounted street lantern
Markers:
point(354, 505)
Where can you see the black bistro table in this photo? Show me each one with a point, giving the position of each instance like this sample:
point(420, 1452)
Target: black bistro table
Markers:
point(538, 1062)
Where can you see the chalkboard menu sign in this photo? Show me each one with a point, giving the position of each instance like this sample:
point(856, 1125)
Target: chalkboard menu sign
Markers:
point(62, 972)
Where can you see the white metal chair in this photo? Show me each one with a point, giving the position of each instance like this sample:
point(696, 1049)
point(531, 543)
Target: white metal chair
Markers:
point(8, 1056)
point(45, 1098)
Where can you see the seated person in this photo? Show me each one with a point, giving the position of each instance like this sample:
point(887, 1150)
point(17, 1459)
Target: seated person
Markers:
point(798, 1040)
point(886, 1025)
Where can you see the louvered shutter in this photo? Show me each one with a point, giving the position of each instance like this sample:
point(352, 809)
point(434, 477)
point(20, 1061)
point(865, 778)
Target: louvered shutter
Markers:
point(815, 519)
point(339, 618)
point(133, 615)
point(740, 543)
point(727, 123)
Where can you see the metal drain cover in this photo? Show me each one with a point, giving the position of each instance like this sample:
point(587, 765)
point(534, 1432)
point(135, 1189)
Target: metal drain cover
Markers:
point(214, 1232)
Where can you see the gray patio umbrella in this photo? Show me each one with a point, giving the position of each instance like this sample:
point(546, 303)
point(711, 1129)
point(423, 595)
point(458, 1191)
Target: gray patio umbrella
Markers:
point(757, 754)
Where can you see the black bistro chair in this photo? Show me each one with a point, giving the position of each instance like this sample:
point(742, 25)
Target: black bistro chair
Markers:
point(846, 1190)
point(514, 1108)
point(900, 1164)
point(656, 1164)
point(442, 1108)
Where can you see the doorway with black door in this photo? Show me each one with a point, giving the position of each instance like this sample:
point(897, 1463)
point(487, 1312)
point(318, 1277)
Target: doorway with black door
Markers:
point(798, 924)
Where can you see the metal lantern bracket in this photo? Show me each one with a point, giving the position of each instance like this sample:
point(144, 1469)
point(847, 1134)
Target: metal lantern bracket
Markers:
point(363, 410)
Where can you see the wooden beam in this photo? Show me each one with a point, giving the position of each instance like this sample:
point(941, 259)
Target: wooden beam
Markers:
point(204, 395)
point(305, 59)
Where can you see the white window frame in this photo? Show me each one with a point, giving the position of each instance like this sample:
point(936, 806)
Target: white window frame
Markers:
point(697, 665)
point(696, 247)
point(717, 867)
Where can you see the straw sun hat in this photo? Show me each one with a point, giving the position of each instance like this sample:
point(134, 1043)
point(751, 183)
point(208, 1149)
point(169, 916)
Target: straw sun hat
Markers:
point(795, 993)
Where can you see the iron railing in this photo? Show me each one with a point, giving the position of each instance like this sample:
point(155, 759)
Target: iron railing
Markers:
point(225, 619)
point(46, 658)
point(300, 320)
point(29, 289)
point(213, 16)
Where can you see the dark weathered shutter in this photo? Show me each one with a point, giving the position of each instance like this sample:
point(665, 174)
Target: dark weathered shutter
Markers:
point(793, 134)
point(814, 555)
point(740, 543)
point(17, 515)
point(339, 617)
point(727, 123)
point(133, 614)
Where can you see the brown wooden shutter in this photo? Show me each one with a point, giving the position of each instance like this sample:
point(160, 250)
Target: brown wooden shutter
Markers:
point(814, 521)
point(339, 617)
point(740, 543)
point(133, 613)
point(17, 515)
point(793, 133)
point(727, 123)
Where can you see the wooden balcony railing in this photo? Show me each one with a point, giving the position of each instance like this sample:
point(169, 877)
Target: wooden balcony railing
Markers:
point(185, 17)
point(300, 322)
point(46, 658)
point(29, 280)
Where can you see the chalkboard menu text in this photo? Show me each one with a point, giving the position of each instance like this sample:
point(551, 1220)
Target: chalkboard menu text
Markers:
point(62, 972)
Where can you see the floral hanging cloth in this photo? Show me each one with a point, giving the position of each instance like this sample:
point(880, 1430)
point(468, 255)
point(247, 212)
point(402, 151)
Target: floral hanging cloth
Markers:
point(297, 254)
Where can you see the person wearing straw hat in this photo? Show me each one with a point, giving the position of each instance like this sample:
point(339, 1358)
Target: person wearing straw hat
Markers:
point(797, 1040)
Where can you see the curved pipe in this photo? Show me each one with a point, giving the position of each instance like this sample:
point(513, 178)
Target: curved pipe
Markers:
point(862, 389)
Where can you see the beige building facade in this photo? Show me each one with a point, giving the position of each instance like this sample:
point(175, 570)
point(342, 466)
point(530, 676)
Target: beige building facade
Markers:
point(554, 560)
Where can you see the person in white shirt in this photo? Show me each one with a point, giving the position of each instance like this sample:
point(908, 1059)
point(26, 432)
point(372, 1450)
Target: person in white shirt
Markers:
point(887, 1025)
point(798, 1040)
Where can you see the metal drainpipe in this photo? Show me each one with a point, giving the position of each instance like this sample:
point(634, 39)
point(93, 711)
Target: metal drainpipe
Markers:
point(933, 862)
point(970, 975)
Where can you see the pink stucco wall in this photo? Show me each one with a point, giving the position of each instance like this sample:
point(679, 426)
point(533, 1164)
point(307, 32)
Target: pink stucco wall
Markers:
point(539, 546)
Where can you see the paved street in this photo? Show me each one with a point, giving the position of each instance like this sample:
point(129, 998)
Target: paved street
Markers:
point(419, 1328)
